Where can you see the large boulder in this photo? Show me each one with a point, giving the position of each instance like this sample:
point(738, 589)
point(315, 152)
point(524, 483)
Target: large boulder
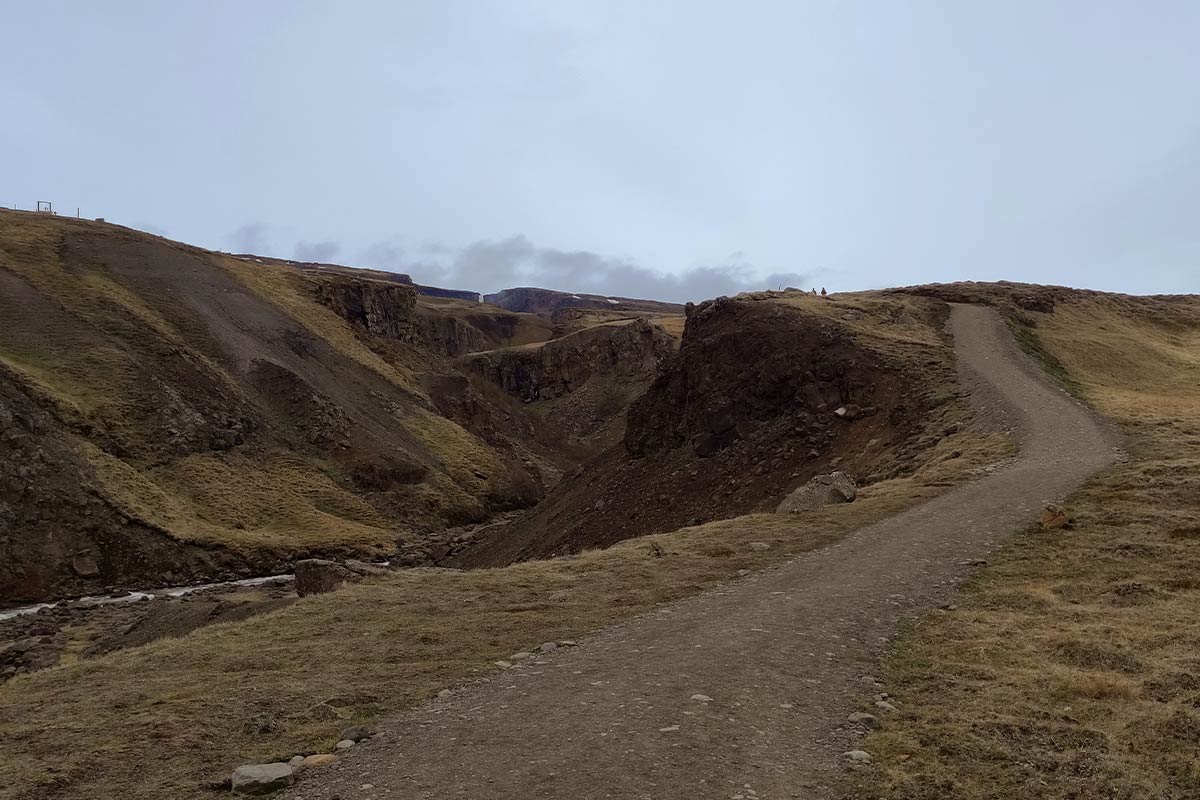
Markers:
point(821, 490)
point(260, 779)
point(317, 575)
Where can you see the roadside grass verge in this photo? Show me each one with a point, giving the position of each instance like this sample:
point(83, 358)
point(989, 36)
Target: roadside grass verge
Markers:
point(1071, 665)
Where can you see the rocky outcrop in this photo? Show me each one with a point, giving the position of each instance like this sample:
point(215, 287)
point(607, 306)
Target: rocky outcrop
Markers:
point(820, 491)
point(318, 576)
point(631, 351)
point(743, 412)
point(384, 309)
point(751, 371)
point(450, 335)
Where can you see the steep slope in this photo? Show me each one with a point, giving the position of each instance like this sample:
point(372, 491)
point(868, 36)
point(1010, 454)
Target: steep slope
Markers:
point(170, 413)
point(765, 391)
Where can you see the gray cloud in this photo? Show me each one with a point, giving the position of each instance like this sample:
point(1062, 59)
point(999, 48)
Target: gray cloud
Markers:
point(490, 265)
point(249, 238)
point(317, 251)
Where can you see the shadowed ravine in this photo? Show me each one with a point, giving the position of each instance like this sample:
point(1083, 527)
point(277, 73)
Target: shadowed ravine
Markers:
point(744, 690)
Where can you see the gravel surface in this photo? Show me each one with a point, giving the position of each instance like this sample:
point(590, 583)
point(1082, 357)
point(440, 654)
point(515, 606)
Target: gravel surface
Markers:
point(743, 692)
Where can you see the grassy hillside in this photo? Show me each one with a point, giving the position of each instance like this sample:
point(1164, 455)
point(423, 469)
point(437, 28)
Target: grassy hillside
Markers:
point(198, 413)
point(1069, 667)
point(374, 648)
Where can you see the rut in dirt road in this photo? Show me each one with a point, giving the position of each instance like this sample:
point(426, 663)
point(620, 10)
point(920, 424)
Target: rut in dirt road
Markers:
point(743, 691)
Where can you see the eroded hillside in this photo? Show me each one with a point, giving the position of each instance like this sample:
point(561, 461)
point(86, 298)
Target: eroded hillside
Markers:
point(173, 414)
point(765, 392)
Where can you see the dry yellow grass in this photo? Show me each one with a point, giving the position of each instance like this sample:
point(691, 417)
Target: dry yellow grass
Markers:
point(1070, 668)
point(159, 720)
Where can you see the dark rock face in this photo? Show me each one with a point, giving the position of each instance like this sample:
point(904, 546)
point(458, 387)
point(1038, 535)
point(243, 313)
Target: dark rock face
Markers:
point(632, 351)
point(384, 309)
point(744, 412)
point(748, 370)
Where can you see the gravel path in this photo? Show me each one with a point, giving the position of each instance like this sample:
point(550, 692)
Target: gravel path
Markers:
point(741, 692)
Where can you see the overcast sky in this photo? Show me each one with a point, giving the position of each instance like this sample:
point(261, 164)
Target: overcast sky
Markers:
point(676, 150)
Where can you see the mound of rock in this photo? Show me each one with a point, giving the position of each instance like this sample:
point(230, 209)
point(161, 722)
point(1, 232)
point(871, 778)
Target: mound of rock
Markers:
point(820, 491)
point(318, 576)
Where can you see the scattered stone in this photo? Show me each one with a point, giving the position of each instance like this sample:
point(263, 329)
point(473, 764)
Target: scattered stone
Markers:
point(503, 664)
point(445, 693)
point(521, 656)
point(884, 705)
point(319, 760)
point(260, 779)
point(669, 729)
point(848, 411)
point(864, 719)
point(296, 762)
point(821, 490)
point(358, 733)
point(702, 698)
point(861, 756)
point(759, 547)
point(566, 643)
point(344, 744)
point(548, 647)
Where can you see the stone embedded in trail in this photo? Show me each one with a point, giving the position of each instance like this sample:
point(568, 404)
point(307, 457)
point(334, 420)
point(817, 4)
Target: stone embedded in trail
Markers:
point(548, 647)
point(319, 760)
point(358, 733)
point(344, 744)
point(260, 779)
point(759, 547)
point(821, 490)
point(702, 698)
point(884, 705)
point(864, 719)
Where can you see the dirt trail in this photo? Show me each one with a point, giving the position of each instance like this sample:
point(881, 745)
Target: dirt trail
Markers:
point(781, 654)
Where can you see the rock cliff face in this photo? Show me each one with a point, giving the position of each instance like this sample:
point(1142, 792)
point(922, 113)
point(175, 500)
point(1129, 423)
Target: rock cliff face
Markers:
point(746, 410)
point(630, 351)
point(751, 371)
point(393, 311)
point(384, 309)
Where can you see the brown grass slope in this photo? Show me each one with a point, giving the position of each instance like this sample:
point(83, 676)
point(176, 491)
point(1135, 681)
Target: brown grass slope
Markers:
point(171, 413)
point(1071, 665)
point(160, 720)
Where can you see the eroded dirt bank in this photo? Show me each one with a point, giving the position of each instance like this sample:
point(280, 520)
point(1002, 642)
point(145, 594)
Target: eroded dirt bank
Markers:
point(746, 688)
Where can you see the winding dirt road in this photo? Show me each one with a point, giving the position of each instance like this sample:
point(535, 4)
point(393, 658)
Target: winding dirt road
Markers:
point(744, 691)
